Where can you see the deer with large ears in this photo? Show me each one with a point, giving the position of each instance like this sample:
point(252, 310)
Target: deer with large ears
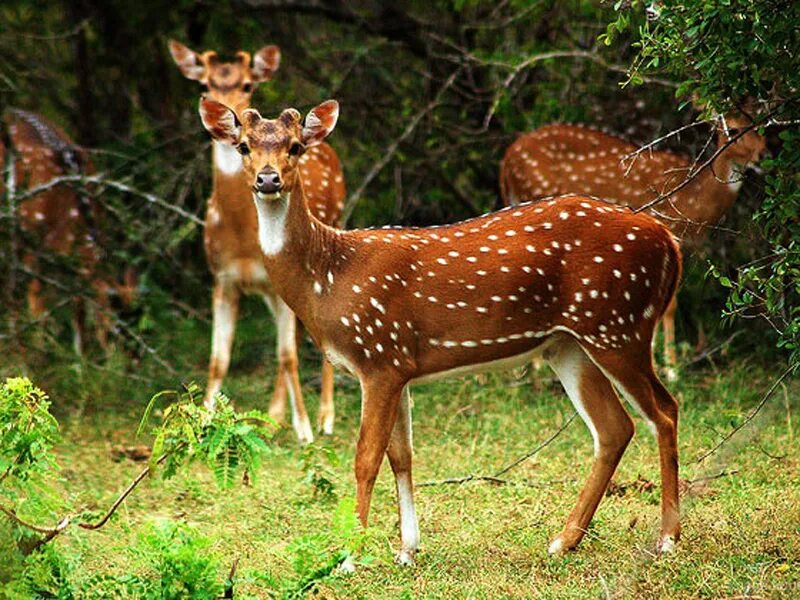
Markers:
point(577, 279)
point(231, 239)
point(560, 159)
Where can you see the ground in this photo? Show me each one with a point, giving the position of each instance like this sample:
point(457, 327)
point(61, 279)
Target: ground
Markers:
point(741, 507)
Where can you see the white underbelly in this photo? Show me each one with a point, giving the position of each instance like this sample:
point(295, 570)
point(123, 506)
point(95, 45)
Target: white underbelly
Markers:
point(501, 364)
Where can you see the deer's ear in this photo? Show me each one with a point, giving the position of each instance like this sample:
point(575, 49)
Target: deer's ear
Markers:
point(320, 122)
point(220, 121)
point(189, 62)
point(265, 62)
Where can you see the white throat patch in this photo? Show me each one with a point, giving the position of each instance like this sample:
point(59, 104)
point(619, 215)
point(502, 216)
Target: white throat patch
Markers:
point(271, 223)
point(226, 158)
point(736, 177)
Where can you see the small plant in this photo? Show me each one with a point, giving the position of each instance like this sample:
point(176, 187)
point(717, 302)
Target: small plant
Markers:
point(230, 444)
point(316, 557)
point(180, 564)
point(44, 573)
point(27, 430)
point(317, 463)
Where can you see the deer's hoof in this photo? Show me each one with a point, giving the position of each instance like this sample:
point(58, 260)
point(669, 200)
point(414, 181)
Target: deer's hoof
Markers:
point(405, 558)
point(326, 426)
point(671, 373)
point(666, 544)
point(347, 566)
point(556, 547)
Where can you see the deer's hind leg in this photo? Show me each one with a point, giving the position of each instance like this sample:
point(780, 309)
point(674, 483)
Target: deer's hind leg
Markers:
point(612, 429)
point(288, 370)
point(631, 370)
point(327, 411)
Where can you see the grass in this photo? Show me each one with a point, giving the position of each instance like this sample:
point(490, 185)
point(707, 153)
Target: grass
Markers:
point(741, 531)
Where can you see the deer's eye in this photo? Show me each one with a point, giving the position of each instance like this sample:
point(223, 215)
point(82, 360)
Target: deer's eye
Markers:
point(247, 88)
point(243, 149)
point(296, 149)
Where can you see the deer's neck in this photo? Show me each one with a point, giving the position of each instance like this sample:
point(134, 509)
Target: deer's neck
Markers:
point(299, 252)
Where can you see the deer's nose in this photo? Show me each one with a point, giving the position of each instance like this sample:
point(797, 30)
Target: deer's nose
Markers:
point(268, 182)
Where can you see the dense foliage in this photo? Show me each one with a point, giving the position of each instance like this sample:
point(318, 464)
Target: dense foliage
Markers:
point(740, 55)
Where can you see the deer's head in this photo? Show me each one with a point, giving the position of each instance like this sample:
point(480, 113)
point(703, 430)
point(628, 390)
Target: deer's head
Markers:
point(270, 148)
point(745, 150)
point(231, 83)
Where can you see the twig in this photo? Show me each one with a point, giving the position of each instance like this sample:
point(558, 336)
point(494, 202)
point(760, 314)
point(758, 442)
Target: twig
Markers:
point(635, 154)
point(538, 448)
point(112, 183)
point(720, 475)
point(749, 417)
point(695, 170)
point(392, 148)
point(51, 532)
point(496, 477)
point(458, 480)
point(536, 58)
point(711, 351)
point(132, 486)
point(692, 172)
point(111, 315)
point(11, 514)
point(229, 593)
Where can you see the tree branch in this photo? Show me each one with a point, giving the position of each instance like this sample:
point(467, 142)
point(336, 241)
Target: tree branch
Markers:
point(391, 149)
point(112, 183)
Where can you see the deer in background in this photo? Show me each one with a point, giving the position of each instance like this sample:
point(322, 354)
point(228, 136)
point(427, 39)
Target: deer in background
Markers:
point(560, 159)
point(581, 281)
point(231, 233)
point(61, 219)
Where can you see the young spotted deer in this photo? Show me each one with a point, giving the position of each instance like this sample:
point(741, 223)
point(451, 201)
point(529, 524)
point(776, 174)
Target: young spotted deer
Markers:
point(231, 239)
point(560, 159)
point(60, 220)
point(577, 279)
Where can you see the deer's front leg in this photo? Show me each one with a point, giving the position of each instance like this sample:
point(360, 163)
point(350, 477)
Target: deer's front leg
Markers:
point(670, 356)
point(400, 453)
point(379, 404)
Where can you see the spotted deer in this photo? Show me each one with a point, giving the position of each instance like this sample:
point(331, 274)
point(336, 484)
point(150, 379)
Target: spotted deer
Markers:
point(560, 159)
point(581, 281)
point(231, 240)
point(61, 220)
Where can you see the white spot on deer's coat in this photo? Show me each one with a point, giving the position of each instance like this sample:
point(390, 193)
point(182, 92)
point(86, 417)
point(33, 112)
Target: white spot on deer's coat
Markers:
point(374, 302)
